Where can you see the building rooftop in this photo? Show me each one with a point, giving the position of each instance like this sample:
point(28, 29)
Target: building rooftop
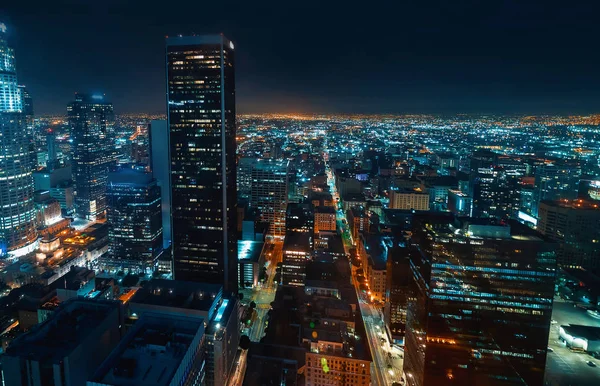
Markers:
point(151, 352)
point(299, 241)
point(68, 328)
point(325, 209)
point(180, 294)
point(249, 250)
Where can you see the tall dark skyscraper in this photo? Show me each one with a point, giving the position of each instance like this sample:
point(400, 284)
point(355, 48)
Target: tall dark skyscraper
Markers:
point(201, 119)
point(480, 305)
point(90, 119)
point(17, 213)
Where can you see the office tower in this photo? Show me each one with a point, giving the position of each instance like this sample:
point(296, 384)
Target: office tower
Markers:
point(325, 219)
point(91, 120)
point(244, 176)
point(201, 119)
point(67, 348)
point(268, 193)
point(10, 93)
point(158, 350)
point(51, 143)
point(398, 277)
point(17, 213)
point(459, 203)
point(296, 254)
point(495, 193)
point(575, 225)
point(409, 199)
point(206, 302)
point(481, 302)
point(556, 181)
point(135, 221)
point(159, 164)
point(299, 218)
point(27, 102)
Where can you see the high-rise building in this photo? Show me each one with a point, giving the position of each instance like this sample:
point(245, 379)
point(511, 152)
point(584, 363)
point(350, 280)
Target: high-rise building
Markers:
point(91, 120)
point(159, 164)
point(17, 213)
point(575, 225)
point(480, 305)
point(398, 277)
point(10, 93)
point(495, 193)
point(268, 193)
point(27, 102)
point(408, 199)
point(135, 221)
point(244, 176)
point(556, 181)
point(296, 254)
point(202, 127)
point(299, 218)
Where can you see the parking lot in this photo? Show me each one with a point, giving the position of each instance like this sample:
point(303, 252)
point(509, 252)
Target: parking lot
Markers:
point(564, 367)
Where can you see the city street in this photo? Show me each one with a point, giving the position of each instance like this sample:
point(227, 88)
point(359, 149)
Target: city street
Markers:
point(387, 361)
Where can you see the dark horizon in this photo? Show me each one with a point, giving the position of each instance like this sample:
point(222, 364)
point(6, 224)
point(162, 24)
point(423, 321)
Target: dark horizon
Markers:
point(517, 57)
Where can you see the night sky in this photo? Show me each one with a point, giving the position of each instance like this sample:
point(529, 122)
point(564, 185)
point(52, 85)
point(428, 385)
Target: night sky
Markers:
point(302, 56)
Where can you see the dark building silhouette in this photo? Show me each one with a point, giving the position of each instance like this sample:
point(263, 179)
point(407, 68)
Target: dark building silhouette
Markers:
point(201, 119)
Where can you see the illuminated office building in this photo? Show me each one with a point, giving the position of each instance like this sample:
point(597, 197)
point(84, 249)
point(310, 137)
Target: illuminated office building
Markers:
point(496, 193)
point(480, 303)
point(556, 181)
point(201, 119)
point(575, 225)
point(10, 93)
point(135, 223)
point(17, 213)
point(268, 193)
point(91, 120)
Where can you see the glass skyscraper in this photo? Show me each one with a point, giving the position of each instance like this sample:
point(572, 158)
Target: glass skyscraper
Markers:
point(269, 193)
point(17, 213)
point(201, 119)
point(135, 233)
point(90, 119)
point(480, 303)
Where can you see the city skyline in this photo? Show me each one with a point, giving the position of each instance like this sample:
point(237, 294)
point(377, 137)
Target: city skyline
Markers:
point(299, 245)
point(515, 57)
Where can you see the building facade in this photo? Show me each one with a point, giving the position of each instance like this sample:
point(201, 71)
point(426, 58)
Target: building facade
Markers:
point(202, 127)
point(269, 193)
point(409, 200)
point(575, 225)
point(91, 120)
point(480, 303)
point(17, 213)
point(135, 221)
